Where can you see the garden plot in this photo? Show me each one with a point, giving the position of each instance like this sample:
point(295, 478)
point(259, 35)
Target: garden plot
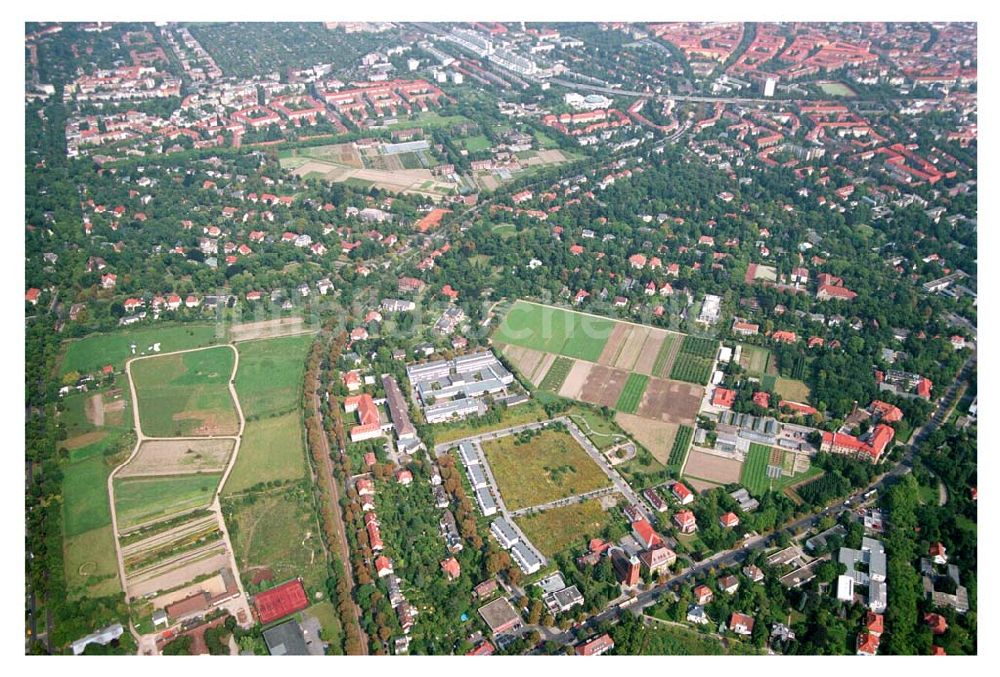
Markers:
point(576, 379)
point(656, 436)
point(604, 386)
point(178, 457)
point(671, 401)
point(712, 468)
point(614, 344)
point(650, 351)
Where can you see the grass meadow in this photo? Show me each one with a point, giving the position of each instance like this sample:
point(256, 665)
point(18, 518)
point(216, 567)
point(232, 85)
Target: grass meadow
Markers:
point(554, 330)
point(145, 499)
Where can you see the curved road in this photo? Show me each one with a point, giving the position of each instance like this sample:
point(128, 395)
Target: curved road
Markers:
point(215, 506)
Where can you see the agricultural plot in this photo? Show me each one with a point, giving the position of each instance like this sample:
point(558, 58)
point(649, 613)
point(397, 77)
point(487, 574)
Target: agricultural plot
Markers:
point(89, 354)
point(671, 401)
point(178, 457)
point(271, 449)
point(614, 344)
point(555, 530)
point(632, 347)
point(85, 496)
point(650, 352)
point(754, 359)
point(186, 394)
point(632, 393)
point(269, 380)
point(656, 436)
point(754, 476)
point(554, 330)
point(694, 363)
point(712, 468)
point(139, 500)
point(549, 466)
point(679, 450)
point(666, 355)
point(264, 329)
point(603, 386)
point(529, 363)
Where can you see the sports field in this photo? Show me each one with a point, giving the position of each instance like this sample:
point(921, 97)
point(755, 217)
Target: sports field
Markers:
point(269, 380)
point(549, 466)
point(836, 89)
point(631, 394)
point(555, 530)
point(271, 449)
point(139, 500)
point(186, 394)
point(754, 476)
point(89, 354)
point(554, 330)
point(754, 359)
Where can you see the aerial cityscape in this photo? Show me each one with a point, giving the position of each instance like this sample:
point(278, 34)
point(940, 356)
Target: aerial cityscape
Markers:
point(500, 338)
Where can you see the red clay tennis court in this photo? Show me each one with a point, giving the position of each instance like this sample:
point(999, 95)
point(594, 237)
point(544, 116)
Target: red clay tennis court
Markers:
point(281, 601)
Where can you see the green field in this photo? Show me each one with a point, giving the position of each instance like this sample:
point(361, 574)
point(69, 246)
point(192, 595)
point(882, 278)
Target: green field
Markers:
point(548, 467)
point(598, 429)
point(271, 449)
point(679, 450)
point(661, 357)
point(93, 352)
point(279, 532)
point(555, 530)
point(431, 119)
point(554, 330)
point(269, 380)
point(631, 395)
point(85, 496)
point(754, 359)
point(792, 389)
point(754, 475)
point(90, 564)
point(505, 230)
point(556, 374)
point(186, 394)
point(140, 500)
point(476, 143)
point(529, 412)
point(836, 89)
point(544, 141)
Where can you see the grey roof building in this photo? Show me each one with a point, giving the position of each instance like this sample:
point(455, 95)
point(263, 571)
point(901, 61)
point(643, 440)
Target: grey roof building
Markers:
point(286, 640)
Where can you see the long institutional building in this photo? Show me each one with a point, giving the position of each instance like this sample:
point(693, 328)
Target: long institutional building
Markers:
point(454, 388)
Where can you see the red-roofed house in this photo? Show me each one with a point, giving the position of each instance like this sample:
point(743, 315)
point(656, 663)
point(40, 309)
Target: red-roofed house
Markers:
point(938, 651)
point(404, 476)
point(703, 595)
point(784, 336)
point(762, 399)
point(723, 397)
point(359, 334)
point(596, 646)
point(370, 423)
point(575, 250)
point(729, 520)
point(804, 409)
point(283, 600)
point(924, 388)
point(888, 413)
point(449, 292)
point(867, 644)
point(871, 450)
point(938, 554)
point(451, 568)
point(644, 533)
point(682, 493)
point(937, 623)
point(637, 260)
point(741, 624)
point(685, 521)
point(829, 291)
point(352, 379)
point(383, 566)
point(815, 342)
point(31, 296)
point(483, 649)
point(874, 623)
point(365, 487)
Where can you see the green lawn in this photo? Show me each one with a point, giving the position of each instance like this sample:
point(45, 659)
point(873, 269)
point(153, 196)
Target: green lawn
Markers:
point(432, 119)
point(544, 141)
point(144, 499)
point(271, 449)
point(601, 431)
point(555, 530)
point(90, 564)
point(554, 330)
point(505, 230)
point(556, 374)
point(754, 475)
point(548, 467)
point(85, 496)
point(792, 389)
point(269, 380)
point(631, 395)
point(93, 352)
point(528, 412)
point(186, 394)
point(476, 143)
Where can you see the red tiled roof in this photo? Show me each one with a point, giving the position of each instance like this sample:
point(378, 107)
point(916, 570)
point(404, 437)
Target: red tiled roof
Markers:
point(723, 397)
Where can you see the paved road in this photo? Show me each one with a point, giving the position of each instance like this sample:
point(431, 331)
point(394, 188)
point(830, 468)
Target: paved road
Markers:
point(147, 642)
